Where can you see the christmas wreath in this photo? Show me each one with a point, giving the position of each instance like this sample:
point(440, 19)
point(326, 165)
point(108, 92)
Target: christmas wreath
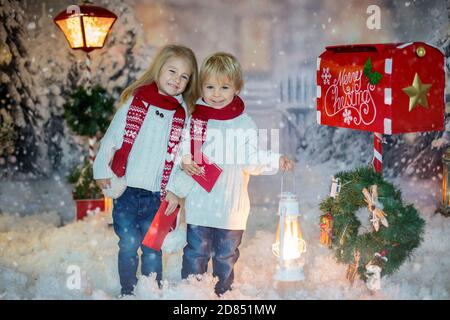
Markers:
point(387, 229)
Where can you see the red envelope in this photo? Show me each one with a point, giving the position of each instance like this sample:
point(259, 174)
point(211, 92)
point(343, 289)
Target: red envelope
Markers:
point(160, 227)
point(208, 178)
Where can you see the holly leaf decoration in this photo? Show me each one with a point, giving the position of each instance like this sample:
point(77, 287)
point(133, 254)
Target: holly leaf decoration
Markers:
point(368, 67)
point(374, 77)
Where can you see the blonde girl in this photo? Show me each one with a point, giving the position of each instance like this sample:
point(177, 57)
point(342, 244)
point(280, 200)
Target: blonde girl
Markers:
point(137, 153)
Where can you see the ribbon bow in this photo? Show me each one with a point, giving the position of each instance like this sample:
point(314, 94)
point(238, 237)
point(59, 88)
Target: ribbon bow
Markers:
point(373, 205)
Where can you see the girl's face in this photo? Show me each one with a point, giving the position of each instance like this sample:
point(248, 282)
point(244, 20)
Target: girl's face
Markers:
point(173, 77)
point(218, 93)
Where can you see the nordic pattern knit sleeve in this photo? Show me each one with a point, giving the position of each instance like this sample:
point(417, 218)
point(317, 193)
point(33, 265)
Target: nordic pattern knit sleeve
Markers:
point(180, 183)
point(186, 141)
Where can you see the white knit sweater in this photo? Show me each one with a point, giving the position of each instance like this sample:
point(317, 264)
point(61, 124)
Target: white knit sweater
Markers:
point(227, 206)
point(147, 157)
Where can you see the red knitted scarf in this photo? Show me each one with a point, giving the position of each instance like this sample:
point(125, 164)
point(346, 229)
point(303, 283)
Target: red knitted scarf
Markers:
point(199, 123)
point(145, 97)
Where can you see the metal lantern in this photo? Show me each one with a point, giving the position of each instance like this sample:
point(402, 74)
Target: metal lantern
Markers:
point(445, 207)
point(85, 26)
point(289, 244)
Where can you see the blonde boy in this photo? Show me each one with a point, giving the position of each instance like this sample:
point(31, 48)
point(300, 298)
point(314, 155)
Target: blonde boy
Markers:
point(216, 220)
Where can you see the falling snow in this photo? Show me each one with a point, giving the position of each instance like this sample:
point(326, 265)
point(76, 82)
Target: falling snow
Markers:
point(41, 244)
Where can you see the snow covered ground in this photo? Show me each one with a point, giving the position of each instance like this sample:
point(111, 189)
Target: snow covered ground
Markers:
point(40, 260)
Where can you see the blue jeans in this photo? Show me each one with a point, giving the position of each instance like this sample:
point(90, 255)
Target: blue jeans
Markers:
point(221, 244)
point(133, 213)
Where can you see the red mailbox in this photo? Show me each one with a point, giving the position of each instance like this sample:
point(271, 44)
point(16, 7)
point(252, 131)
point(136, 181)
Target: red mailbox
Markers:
point(382, 88)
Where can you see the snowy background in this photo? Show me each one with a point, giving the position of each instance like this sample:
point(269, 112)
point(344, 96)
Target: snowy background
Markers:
point(277, 43)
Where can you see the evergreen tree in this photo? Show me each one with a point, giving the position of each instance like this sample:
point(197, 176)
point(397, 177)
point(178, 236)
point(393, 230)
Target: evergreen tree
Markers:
point(23, 101)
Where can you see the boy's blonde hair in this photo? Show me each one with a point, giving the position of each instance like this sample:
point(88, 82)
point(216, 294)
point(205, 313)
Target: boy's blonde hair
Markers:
point(169, 51)
point(222, 64)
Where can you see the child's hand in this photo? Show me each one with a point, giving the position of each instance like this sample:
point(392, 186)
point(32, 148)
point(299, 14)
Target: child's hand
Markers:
point(104, 183)
point(189, 166)
point(286, 164)
point(173, 203)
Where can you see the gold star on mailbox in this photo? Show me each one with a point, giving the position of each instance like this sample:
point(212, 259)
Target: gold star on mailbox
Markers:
point(417, 93)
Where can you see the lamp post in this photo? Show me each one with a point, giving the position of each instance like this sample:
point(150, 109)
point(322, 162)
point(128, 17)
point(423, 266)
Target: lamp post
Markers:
point(289, 245)
point(86, 28)
point(444, 209)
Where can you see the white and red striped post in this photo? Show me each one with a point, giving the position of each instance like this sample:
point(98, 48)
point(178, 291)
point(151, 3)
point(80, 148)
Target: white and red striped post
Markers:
point(378, 152)
point(89, 70)
point(92, 141)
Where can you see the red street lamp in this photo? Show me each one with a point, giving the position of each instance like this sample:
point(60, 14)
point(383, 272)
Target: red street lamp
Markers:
point(85, 26)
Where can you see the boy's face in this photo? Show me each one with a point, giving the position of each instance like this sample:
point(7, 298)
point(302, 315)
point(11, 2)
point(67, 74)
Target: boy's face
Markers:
point(218, 92)
point(174, 76)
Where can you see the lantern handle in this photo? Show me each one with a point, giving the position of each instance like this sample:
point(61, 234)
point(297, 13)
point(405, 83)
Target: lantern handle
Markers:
point(293, 182)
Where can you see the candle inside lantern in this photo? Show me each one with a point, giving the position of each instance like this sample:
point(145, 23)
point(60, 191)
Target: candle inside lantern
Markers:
point(293, 244)
point(289, 244)
point(445, 206)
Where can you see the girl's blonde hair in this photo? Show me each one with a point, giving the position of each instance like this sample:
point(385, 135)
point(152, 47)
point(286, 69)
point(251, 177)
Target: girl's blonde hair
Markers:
point(190, 94)
point(222, 64)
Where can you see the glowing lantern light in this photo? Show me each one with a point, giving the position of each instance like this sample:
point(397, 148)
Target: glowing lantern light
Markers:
point(445, 206)
point(86, 26)
point(289, 244)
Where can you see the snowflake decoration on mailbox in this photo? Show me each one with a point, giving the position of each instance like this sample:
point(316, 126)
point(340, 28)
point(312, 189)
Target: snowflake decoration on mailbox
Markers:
point(381, 88)
point(326, 75)
point(347, 116)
